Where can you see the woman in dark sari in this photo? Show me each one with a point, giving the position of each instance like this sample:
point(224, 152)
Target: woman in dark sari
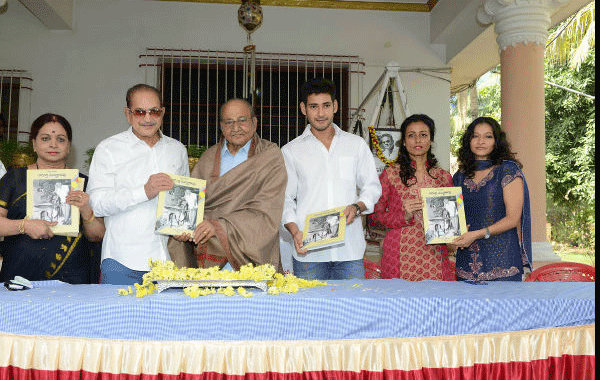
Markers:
point(498, 244)
point(31, 250)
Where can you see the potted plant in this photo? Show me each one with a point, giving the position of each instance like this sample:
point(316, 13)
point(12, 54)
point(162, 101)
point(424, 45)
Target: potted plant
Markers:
point(194, 153)
point(88, 161)
point(16, 154)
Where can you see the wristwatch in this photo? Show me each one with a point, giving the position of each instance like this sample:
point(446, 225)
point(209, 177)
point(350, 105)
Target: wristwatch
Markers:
point(487, 233)
point(357, 208)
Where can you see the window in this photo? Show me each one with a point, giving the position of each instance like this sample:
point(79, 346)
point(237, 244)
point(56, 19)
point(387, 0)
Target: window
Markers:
point(195, 83)
point(15, 92)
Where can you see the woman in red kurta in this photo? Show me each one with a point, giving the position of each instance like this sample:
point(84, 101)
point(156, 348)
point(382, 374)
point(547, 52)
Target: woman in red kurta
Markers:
point(400, 208)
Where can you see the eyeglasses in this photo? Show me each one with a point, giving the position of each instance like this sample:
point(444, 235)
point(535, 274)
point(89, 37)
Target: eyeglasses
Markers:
point(242, 122)
point(140, 112)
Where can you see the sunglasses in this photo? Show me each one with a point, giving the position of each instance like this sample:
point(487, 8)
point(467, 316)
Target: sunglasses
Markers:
point(140, 112)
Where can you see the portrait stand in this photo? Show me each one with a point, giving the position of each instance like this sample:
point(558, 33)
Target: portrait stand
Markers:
point(388, 83)
point(390, 98)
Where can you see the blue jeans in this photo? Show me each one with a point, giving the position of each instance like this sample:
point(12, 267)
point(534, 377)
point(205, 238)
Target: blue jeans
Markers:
point(228, 267)
point(329, 270)
point(114, 273)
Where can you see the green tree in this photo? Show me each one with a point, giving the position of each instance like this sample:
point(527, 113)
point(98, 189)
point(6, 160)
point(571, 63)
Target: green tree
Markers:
point(488, 95)
point(570, 152)
point(572, 40)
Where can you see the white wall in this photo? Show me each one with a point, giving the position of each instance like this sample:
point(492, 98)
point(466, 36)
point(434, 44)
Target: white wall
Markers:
point(83, 74)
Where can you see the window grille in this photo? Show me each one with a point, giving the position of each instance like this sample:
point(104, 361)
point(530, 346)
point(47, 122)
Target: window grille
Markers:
point(194, 83)
point(15, 106)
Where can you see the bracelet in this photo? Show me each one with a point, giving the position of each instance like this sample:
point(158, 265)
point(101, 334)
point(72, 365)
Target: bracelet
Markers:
point(90, 219)
point(487, 233)
point(22, 226)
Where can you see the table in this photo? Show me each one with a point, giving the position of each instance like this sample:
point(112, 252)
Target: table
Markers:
point(347, 329)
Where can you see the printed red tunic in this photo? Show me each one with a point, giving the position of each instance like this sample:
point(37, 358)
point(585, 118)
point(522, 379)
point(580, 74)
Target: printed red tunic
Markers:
point(404, 253)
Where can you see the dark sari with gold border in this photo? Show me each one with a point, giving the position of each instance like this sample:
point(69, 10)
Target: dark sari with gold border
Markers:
point(69, 259)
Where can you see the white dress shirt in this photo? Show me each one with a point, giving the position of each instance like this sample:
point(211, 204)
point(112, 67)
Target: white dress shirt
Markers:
point(120, 168)
point(321, 179)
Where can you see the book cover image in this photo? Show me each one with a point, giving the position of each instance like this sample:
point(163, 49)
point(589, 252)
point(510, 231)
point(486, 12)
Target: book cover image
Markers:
point(443, 215)
point(47, 191)
point(181, 209)
point(324, 229)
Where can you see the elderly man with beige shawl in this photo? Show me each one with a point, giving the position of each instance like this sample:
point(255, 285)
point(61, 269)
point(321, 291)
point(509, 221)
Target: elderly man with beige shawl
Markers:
point(245, 190)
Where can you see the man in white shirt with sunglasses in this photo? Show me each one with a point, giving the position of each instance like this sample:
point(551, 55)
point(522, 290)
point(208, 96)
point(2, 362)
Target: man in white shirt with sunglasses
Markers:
point(126, 174)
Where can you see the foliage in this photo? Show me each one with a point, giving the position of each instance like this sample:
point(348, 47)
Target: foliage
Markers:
point(572, 224)
point(455, 137)
point(489, 96)
point(88, 161)
point(455, 129)
point(488, 99)
point(571, 41)
point(570, 133)
point(196, 150)
point(8, 148)
point(570, 153)
point(575, 254)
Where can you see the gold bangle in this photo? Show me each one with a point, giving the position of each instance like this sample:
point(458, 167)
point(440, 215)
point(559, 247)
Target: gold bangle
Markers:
point(90, 219)
point(22, 226)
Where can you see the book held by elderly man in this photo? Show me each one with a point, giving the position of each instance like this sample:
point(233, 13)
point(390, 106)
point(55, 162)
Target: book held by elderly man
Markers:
point(47, 191)
point(443, 214)
point(324, 229)
point(181, 209)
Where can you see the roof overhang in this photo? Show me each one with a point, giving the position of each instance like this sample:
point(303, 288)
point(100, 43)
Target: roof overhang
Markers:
point(471, 48)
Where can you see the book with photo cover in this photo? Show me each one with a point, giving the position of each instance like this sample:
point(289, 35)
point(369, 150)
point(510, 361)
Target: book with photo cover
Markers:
point(47, 191)
point(324, 229)
point(181, 208)
point(443, 214)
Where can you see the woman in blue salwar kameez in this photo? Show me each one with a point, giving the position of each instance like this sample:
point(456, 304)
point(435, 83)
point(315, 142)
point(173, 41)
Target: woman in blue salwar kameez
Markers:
point(497, 246)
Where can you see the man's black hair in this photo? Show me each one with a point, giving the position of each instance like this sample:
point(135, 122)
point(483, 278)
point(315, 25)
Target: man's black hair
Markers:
point(317, 86)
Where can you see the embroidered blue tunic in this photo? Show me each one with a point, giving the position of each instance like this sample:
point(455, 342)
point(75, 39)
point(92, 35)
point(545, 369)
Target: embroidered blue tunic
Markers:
point(501, 257)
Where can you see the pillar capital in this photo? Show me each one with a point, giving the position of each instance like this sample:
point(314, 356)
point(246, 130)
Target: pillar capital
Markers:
point(518, 21)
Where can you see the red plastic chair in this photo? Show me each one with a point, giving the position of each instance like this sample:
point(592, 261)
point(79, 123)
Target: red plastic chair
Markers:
point(372, 269)
point(565, 272)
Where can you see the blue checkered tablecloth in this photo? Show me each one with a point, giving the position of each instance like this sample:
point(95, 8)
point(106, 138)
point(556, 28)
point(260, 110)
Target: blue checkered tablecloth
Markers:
point(350, 309)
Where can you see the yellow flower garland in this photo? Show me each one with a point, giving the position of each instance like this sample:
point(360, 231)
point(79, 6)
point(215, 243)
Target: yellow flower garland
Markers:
point(378, 152)
point(166, 270)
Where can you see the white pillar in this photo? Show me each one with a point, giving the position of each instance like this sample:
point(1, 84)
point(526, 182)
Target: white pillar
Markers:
point(521, 27)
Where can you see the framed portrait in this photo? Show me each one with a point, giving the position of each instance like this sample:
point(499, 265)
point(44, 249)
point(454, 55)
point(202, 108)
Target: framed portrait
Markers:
point(389, 141)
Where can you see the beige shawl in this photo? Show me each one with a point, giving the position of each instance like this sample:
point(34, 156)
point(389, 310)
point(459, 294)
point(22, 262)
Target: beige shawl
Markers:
point(245, 206)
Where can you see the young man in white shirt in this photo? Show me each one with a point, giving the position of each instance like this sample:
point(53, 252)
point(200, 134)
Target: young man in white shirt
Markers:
point(328, 168)
point(126, 174)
